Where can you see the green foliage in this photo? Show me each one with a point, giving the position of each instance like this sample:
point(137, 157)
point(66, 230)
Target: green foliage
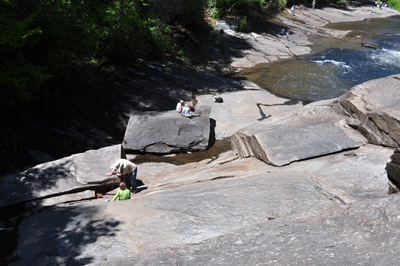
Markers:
point(193, 13)
point(242, 24)
point(341, 3)
point(160, 34)
point(394, 3)
point(19, 78)
point(243, 8)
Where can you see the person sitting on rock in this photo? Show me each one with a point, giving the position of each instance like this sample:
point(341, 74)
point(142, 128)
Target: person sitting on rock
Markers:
point(179, 106)
point(217, 98)
point(125, 168)
point(186, 111)
point(123, 193)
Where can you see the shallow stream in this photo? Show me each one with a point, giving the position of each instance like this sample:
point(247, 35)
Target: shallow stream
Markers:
point(336, 65)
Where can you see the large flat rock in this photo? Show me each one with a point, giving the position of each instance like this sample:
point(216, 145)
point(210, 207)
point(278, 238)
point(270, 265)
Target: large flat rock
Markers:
point(71, 174)
point(363, 233)
point(244, 108)
point(282, 146)
point(168, 132)
point(209, 207)
point(316, 129)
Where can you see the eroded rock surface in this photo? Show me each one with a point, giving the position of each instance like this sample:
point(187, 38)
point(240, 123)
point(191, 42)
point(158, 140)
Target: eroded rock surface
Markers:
point(374, 109)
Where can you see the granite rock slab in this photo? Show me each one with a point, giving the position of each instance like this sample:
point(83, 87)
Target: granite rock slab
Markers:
point(168, 132)
point(186, 212)
point(76, 173)
point(314, 130)
point(362, 233)
point(374, 110)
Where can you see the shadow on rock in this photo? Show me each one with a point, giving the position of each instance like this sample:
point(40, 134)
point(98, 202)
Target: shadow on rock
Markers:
point(64, 236)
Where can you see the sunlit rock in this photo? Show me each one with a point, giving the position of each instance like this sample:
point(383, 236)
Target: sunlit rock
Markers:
point(374, 110)
point(314, 130)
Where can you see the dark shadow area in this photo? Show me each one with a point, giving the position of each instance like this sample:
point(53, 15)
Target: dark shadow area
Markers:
point(61, 234)
point(262, 27)
point(29, 184)
point(213, 152)
point(10, 219)
point(52, 180)
point(213, 124)
point(264, 116)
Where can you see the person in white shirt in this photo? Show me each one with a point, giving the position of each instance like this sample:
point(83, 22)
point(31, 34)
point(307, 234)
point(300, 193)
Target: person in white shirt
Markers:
point(179, 106)
point(125, 168)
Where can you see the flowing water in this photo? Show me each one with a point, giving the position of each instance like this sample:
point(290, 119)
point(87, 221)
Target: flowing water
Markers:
point(336, 65)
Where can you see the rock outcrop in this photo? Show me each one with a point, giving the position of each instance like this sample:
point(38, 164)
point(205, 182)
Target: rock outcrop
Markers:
point(368, 113)
point(210, 209)
point(316, 129)
point(370, 45)
point(168, 132)
point(374, 110)
point(76, 173)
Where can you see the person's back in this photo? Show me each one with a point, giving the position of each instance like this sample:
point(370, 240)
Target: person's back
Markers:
point(123, 193)
point(179, 106)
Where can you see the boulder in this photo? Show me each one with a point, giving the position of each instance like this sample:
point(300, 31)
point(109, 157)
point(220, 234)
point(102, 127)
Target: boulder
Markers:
point(373, 108)
point(370, 45)
point(168, 132)
point(314, 130)
point(76, 173)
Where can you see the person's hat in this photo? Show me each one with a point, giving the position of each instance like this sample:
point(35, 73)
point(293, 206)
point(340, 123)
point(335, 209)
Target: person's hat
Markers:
point(215, 93)
point(181, 101)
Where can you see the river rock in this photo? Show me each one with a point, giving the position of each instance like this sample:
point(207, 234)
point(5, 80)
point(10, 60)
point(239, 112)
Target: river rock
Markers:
point(228, 200)
point(370, 45)
point(168, 132)
point(76, 173)
point(374, 111)
point(314, 130)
